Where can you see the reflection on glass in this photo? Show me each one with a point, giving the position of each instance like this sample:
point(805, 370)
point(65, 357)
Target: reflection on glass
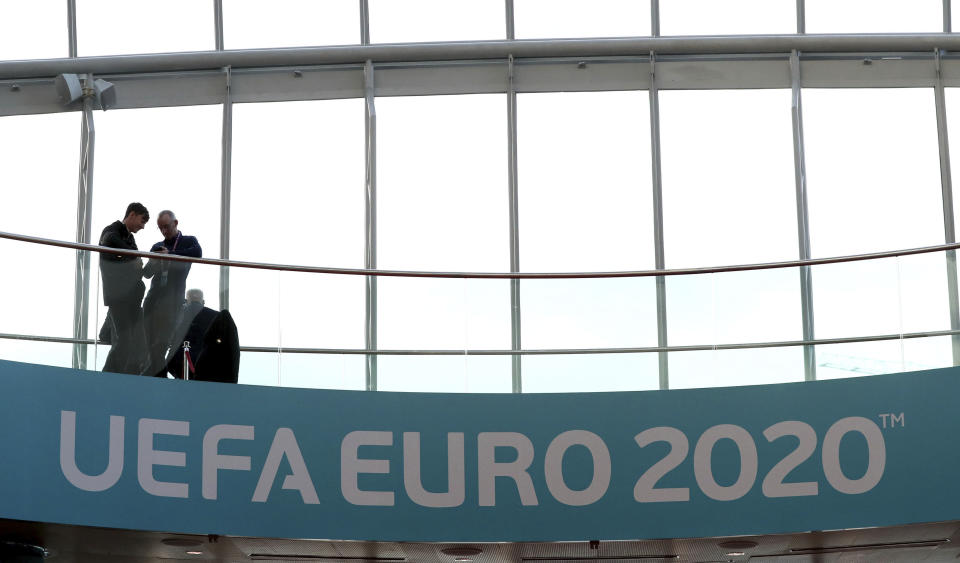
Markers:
point(725, 368)
point(569, 373)
point(112, 27)
point(33, 30)
point(444, 374)
point(729, 194)
point(873, 16)
point(734, 307)
point(322, 371)
point(403, 21)
point(836, 361)
point(873, 171)
point(38, 159)
point(443, 314)
point(584, 182)
point(733, 17)
point(588, 313)
point(577, 18)
point(250, 24)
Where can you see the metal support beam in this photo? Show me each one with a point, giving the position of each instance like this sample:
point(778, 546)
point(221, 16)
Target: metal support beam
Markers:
point(801, 16)
point(803, 225)
point(370, 261)
point(514, 206)
point(81, 297)
point(947, 18)
point(364, 22)
point(659, 260)
point(511, 29)
point(226, 167)
point(655, 18)
point(946, 187)
point(754, 45)
point(72, 28)
point(218, 24)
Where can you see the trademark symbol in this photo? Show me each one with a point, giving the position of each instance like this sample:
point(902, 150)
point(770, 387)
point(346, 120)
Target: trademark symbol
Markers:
point(892, 420)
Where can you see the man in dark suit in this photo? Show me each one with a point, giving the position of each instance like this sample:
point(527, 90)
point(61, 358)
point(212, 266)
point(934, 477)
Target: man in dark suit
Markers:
point(123, 290)
point(161, 308)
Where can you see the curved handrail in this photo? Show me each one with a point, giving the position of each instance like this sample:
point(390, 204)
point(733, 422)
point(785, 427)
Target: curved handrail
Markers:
point(483, 275)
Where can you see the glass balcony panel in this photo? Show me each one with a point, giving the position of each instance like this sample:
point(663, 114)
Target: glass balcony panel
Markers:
point(443, 314)
point(321, 311)
point(588, 313)
point(736, 17)
point(585, 201)
point(572, 373)
point(873, 171)
point(259, 368)
point(250, 24)
point(874, 16)
point(444, 374)
point(405, 21)
point(734, 307)
point(31, 352)
point(729, 194)
point(836, 361)
point(39, 156)
point(323, 371)
point(33, 30)
point(725, 368)
point(579, 18)
point(114, 27)
point(888, 296)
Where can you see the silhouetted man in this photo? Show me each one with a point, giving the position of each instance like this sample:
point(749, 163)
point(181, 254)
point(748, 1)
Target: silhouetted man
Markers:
point(123, 290)
point(161, 308)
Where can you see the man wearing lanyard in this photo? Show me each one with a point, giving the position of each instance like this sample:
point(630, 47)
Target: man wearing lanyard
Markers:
point(164, 300)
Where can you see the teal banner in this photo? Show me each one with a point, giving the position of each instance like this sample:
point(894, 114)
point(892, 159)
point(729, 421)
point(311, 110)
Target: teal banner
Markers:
point(205, 458)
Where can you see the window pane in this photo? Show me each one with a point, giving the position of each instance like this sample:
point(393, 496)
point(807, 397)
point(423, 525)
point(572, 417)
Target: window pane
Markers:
point(589, 313)
point(873, 171)
point(298, 198)
point(579, 18)
point(590, 372)
point(251, 24)
point(33, 30)
point(888, 356)
point(442, 206)
point(444, 374)
point(724, 368)
point(109, 27)
point(39, 156)
point(402, 21)
point(873, 16)
point(729, 193)
point(585, 194)
point(952, 96)
point(732, 17)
